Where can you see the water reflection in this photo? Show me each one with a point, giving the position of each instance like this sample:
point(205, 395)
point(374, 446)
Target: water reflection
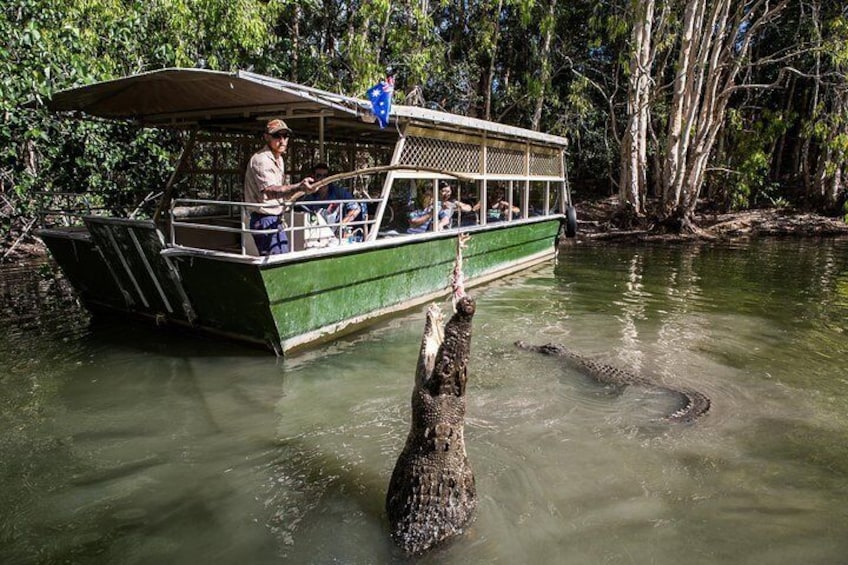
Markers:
point(125, 445)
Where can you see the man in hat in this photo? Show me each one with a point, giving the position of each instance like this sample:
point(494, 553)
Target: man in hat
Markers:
point(264, 185)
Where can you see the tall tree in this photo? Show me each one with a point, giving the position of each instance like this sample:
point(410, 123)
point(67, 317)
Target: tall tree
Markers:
point(634, 144)
point(51, 45)
point(709, 65)
point(547, 27)
point(712, 49)
point(491, 12)
point(826, 170)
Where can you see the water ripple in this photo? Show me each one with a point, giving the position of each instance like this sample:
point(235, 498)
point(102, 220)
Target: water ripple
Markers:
point(128, 449)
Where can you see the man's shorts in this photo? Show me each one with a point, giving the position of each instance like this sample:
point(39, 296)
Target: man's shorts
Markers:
point(269, 243)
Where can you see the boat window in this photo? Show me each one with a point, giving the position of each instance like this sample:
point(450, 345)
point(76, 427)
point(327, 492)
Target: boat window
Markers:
point(502, 202)
point(469, 213)
point(539, 199)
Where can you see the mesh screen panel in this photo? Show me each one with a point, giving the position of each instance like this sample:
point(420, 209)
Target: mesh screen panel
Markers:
point(441, 154)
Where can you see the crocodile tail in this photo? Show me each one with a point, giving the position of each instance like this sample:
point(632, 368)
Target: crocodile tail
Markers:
point(697, 404)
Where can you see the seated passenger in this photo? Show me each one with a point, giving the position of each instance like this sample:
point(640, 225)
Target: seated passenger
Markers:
point(421, 219)
point(499, 207)
point(462, 210)
point(353, 211)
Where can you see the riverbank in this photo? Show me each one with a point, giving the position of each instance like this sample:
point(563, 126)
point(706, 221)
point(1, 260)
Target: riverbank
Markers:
point(599, 220)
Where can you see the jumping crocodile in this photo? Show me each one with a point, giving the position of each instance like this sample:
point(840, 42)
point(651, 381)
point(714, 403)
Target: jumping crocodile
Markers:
point(431, 495)
point(696, 403)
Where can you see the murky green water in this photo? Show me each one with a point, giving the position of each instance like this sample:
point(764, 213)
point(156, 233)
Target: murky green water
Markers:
point(121, 445)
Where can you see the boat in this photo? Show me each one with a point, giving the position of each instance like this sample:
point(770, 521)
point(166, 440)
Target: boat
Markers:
point(191, 261)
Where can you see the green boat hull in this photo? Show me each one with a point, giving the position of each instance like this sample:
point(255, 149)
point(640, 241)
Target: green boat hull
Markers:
point(288, 301)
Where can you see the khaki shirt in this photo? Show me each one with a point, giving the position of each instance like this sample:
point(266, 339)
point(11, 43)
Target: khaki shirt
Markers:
point(263, 170)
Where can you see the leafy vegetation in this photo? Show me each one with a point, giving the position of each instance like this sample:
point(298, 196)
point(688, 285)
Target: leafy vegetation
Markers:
point(780, 135)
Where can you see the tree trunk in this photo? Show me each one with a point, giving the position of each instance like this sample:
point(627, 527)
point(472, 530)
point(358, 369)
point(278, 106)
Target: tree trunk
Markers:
point(708, 65)
point(807, 167)
point(295, 61)
point(829, 111)
point(490, 72)
point(634, 146)
point(683, 92)
point(544, 58)
point(780, 145)
point(830, 179)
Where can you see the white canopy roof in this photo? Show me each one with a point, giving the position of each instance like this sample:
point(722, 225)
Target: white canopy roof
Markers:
point(245, 100)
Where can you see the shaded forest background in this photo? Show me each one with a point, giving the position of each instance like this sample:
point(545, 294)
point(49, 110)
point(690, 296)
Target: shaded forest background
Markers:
point(668, 104)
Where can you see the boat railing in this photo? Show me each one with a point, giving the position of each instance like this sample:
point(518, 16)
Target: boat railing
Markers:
point(66, 209)
point(224, 225)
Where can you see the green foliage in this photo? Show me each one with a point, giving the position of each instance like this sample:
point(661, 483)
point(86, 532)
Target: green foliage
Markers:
point(829, 125)
point(413, 49)
point(836, 42)
point(51, 45)
point(752, 135)
point(442, 53)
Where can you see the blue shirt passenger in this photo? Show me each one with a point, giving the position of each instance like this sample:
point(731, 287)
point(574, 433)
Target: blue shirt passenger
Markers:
point(421, 219)
point(335, 212)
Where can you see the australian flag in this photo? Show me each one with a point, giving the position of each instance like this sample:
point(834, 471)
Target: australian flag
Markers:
point(380, 96)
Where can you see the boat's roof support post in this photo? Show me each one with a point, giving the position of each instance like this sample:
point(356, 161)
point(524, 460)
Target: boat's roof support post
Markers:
point(484, 197)
point(436, 208)
point(484, 202)
point(322, 156)
point(510, 199)
point(387, 184)
point(168, 194)
point(525, 200)
point(565, 198)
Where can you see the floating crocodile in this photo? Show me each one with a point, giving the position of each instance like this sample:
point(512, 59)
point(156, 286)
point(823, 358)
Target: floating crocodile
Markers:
point(431, 495)
point(697, 404)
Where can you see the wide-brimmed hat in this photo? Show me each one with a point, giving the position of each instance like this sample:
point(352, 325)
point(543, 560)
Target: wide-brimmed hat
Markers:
point(276, 125)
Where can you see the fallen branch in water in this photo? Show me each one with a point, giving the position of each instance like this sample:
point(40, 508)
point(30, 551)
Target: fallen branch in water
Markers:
point(20, 238)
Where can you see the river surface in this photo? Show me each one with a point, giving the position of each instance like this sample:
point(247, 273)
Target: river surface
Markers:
point(123, 445)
